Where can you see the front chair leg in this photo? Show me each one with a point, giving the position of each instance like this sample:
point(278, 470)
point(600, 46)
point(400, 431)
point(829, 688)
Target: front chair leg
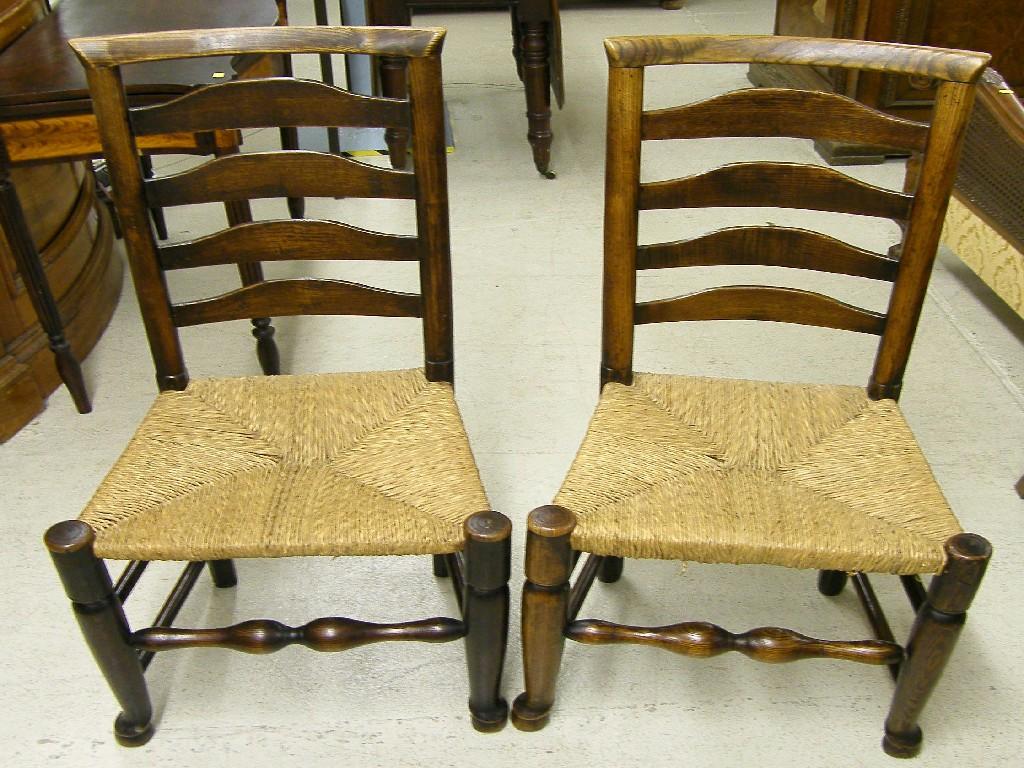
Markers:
point(610, 570)
point(933, 638)
point(101, 619)
point(545, 605)
point(485, 612)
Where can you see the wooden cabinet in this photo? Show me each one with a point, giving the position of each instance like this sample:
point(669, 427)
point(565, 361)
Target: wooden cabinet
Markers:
point(995, 26)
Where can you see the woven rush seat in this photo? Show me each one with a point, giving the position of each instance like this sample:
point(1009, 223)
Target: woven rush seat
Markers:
point(272, 466)
point(719, 470)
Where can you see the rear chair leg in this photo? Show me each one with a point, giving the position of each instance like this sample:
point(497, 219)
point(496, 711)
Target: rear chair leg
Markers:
point(545, 605)
point(933, 638)
point(440, 566)
point(101, 619)
point(831, 583)
point(223, 573)
point(485, 612)
point(611, 569)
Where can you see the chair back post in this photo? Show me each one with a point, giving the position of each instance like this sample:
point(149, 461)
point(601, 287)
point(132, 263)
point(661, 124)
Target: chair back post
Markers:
point(427, 104)
point(111, 106)
point(621, 218)
point(936, 175)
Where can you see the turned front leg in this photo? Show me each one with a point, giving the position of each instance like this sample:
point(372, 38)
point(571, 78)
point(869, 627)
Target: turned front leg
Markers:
point(101, 619)
point(393, 85)
point(933, 638)
point(485, 612)
point(545, 605)
point(534, 53)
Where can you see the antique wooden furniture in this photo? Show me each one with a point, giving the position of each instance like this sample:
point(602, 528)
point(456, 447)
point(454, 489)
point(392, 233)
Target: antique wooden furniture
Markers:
point(978, 25)
point(536, 47)
point(728, 471)
point(45, 118)
point(985, 221)
point(337, 464)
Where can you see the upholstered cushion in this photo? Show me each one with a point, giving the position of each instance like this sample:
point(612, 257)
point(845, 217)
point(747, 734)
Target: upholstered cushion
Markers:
point(717, 470)
point(270, 466)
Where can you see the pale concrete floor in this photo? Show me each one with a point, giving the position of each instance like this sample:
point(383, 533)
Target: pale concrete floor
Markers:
point(527, 263)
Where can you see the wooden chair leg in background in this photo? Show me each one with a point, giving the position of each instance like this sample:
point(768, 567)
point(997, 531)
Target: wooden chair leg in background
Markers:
point(290, 140)
point(30, 266)
point(393, 85)
point(485, 612)
point(610, 570)
point(159, 222)
point(441, 566)
point(533, 46)
point(933, 638)
point(101, 619)
point(238, 212)
point(223, 573)
point(831, 583)
point(545, 605)
point(327, 73)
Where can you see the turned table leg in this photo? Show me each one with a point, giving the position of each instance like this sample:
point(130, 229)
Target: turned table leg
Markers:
point(26, 257)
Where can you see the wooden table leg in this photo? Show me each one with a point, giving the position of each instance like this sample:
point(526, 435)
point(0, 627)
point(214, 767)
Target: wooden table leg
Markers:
point(26, 257)
point(533, 46)
point(327, 72)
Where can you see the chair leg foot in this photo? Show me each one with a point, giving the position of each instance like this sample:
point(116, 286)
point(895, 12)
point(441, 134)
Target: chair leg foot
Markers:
point(266, 348)
point(223, 573)
point(610, 570)
point(440, 564)
point(545, 601)
point(129, 734)
point(394, 85)
point(932, 639)
point(831, 583)
point(101, 618)
point(485, 610)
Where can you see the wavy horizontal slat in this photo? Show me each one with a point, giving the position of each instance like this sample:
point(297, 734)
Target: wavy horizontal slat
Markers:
point(772, 645)
point(776, 185)
point(269, 102)
point(771, 247)
point(161, 46)
point(278, 174)
point(267, 636)
point(784, 112)
point(761, 302)
point(647, 50)
point(286, 240)
point(279, 298)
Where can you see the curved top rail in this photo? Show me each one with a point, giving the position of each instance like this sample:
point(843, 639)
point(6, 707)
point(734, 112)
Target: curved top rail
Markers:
point(115, 50)
point(942, 63)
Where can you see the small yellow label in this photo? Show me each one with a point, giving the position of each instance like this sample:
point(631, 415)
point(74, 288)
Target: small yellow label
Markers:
point(217, 74)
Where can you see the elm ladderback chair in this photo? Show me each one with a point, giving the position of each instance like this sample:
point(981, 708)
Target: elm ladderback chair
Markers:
point(728, 471)
point(272, 466)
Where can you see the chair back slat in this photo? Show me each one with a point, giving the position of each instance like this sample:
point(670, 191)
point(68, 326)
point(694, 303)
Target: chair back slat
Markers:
point(919, 209)
point(278, 174)
point(761, 302)
point(298, 297)
point(776, 185)
point(755, 112)
point(283, 240)
point(768, 246)
point(234, 178)
point(270, 102)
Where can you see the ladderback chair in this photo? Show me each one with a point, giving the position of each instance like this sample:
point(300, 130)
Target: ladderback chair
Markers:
point(274, 466)
point(728, 471)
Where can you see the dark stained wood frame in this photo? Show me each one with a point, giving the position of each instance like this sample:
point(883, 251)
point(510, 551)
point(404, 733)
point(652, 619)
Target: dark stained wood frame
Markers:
point(536, 47)
point(550, 603)
point(480, 572)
